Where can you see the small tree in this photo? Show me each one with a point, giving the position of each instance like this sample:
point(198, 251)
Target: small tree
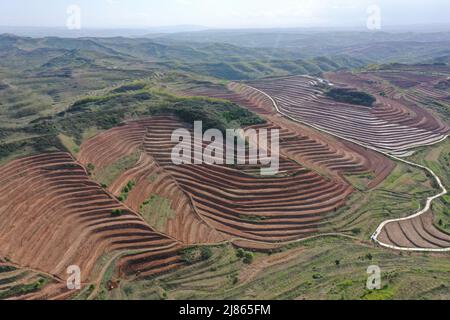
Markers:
point(90, 168)
point(248, 258)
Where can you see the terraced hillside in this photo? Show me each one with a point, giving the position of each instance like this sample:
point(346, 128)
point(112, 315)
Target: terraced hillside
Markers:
point(87, 179)
point(408, 125)
point(332, 157)
point(53, 216)
point(405, 234)
point(106, 150)
point(389, 125)
point(427, 86)
point(231, 199)
point(418, 232)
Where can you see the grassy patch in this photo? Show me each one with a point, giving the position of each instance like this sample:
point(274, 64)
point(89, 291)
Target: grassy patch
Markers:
point(130, 87)
point(360, 181)
point(384, 294)
point(309, 273)
point(441, 211)
point(7, 269)
point(196, 254)
point(109, 174)
point(69, 143)
point(23, 289)
point(157, 211)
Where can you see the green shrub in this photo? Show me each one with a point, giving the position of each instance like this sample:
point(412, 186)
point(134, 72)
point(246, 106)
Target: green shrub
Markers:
point(117, 213)
point(206, 253)
point(317, 276)
point(248, 258)
point(90, 168)
point(196, 254)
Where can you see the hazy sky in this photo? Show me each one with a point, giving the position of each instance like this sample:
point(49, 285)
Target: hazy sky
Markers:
point(221, 13)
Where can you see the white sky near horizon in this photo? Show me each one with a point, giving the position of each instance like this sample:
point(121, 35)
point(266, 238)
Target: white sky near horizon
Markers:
point(222, 13)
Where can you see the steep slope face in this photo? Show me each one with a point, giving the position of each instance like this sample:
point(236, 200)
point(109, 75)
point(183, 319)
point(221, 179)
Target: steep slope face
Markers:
point(53, 216)
point(389, 126)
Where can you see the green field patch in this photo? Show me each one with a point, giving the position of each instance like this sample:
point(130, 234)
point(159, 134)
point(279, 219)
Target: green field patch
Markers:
point(193, 255)
point(383, 294)
point(111, 173)
point(441, 211)
point(69, 143)
point(157, 211)
point(360, 181)
point(130, 87)
point(23, 289)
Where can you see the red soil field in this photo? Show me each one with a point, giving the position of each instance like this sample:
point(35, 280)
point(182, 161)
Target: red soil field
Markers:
point(389, 126)
point(102, 150)
point(419, 232)
point(53, 216)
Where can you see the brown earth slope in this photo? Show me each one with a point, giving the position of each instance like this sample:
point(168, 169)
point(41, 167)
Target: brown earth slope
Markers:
point(53, 216)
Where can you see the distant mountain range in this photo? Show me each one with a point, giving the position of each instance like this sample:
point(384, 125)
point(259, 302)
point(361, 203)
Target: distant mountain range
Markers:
point(232, 55)
point(40, 32)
